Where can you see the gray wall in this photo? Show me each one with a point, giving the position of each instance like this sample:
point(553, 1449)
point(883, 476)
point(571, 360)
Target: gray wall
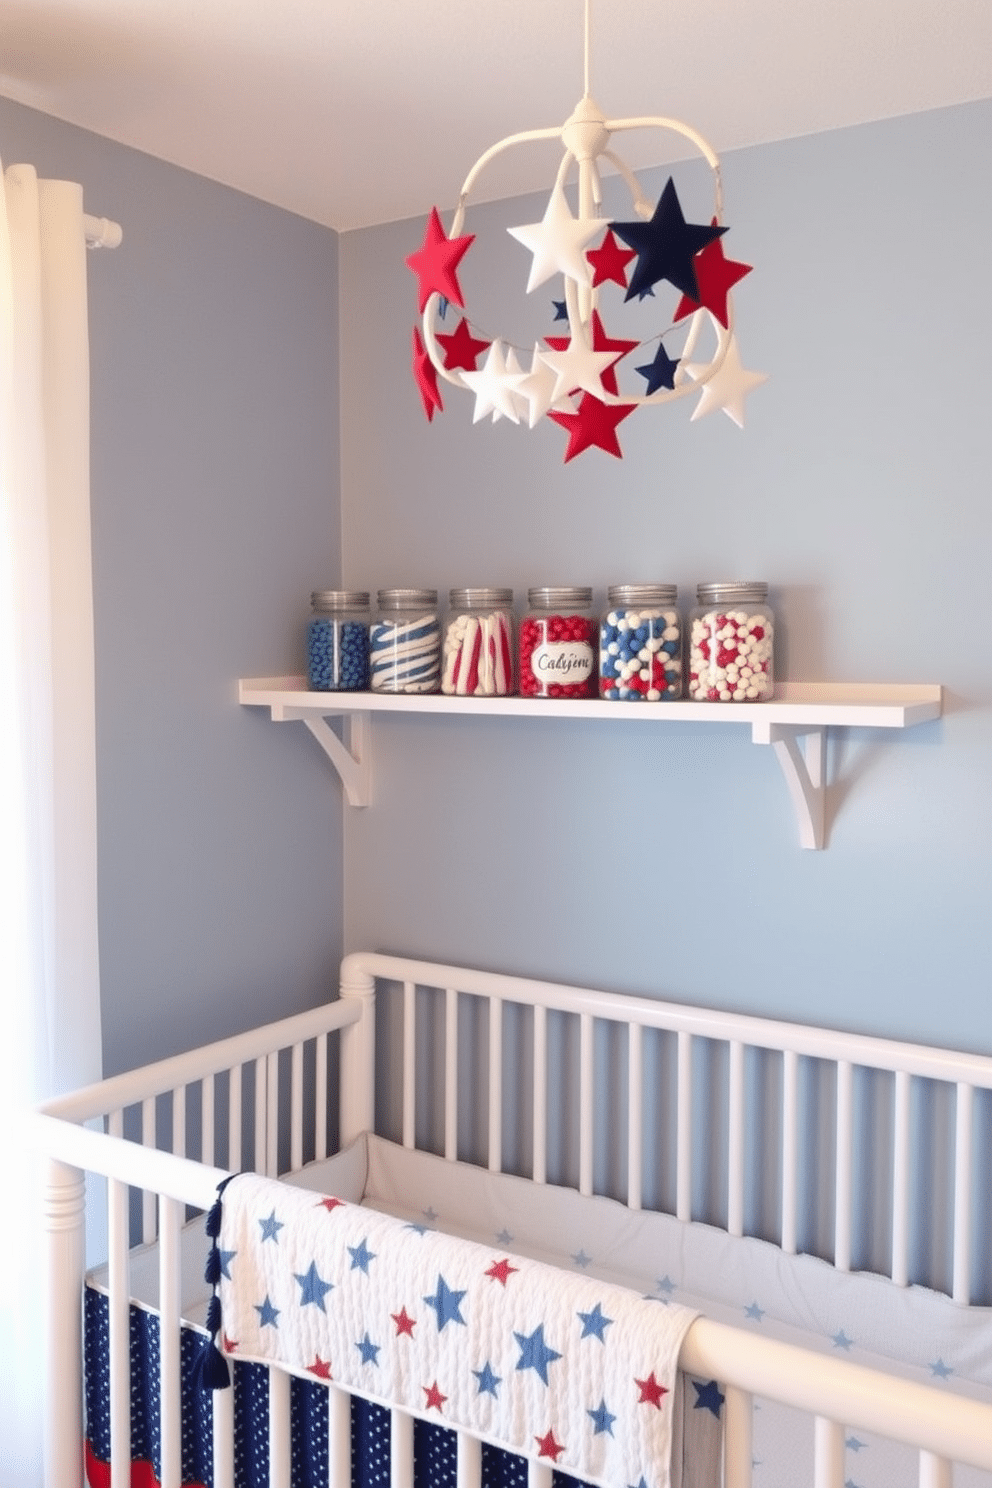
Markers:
point(666, 860)
point(215, 507)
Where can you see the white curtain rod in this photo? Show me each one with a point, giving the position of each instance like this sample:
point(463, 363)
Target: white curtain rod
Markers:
point(101, 232)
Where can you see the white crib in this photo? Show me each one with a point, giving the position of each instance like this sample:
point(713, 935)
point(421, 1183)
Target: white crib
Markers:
point(646, 1106)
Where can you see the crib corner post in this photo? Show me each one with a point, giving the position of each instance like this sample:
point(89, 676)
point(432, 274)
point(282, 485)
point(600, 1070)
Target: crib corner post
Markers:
point(63, 1202)
point(357, 1053)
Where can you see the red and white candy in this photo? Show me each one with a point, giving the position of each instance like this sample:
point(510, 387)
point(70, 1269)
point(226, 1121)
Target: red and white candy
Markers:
point(730, 657)
point(477, 658)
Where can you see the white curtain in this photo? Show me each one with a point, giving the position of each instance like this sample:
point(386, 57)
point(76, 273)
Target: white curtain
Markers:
point(49, 969)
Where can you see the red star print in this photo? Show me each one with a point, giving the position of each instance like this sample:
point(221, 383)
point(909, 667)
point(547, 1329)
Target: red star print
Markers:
point(609, 261)
point(594, 423)
point(230, 1345)
point(331, 1204)
point(548, 1447)
point(715, 277)
point(435, 1399)
point(651, 1391)
point(404, 1324)
point(425, 376)
point(436, 260)
point(461, 349)
point(500, 1271)
point(600, 342)
point(320, 1367)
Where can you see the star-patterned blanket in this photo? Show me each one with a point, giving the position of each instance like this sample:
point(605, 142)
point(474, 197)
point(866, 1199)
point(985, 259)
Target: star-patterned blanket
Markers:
point(549, 1364)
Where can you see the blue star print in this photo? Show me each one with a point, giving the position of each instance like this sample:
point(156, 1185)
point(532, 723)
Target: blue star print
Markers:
point(581, 1259)
point(666, 1285)
point(368, 1350)
point(841, 1340)
point(535, 1353)
point(595, 1323)
point(487, 1380)
point(504, 1238)
point(708, 1397)
point(226, 1257)
point(755, 1312)
point(447, 1304)
point(267, 1314)
point(601, 1419)
point(271, 1227)
point(312, 1288)
point(360, 1257)
point(940, 1370)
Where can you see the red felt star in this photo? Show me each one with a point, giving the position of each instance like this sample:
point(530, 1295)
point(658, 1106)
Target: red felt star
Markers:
point(594, 423)
point(715, 277)
point(609, 261)
point(500, 1271)
point(651, 1391)
point(404, 1324)
point(435, 1399)
point(548, 1447)
point(436, 261)
point(320, 1367)
point(425, 376)
point(230, 1344)
point(461, 349)
point(600, 342)
point(331, 1204)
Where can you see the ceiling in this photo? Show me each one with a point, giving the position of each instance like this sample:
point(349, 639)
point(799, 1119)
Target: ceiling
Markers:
point(374, 110)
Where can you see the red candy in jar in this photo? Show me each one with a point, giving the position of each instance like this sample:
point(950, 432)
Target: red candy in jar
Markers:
point(558, 644)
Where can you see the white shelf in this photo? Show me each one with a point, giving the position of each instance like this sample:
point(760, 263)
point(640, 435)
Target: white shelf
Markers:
point(799, 711)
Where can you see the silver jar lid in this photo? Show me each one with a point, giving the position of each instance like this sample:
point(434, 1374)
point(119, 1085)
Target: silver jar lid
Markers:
point(477, 599)
point(641, 594)
point(339, 599)
point(556, 599)
point(727, 591)
point(407, 599)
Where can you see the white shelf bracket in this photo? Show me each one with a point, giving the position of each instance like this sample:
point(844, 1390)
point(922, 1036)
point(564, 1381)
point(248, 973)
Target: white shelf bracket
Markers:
point(352, 760)
point(804, 770)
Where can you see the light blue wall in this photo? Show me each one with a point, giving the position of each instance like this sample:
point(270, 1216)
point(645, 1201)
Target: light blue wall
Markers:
point(666, 860)
point(215, 512)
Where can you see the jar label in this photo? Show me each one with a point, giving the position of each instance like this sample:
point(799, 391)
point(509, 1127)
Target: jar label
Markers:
point(562, 661)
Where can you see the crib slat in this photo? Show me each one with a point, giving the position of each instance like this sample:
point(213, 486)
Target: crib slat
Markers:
point(409, 1064)
point(469, 1461)
point(258, 1156)
point(296, 1109)
point(120, 1334)
point(900, 1181)
point(208, 1139)
point(234, 1119)
point(586, 1103)
point(451, 1074)
point(635, 1115)
point(400, 1449)
point(540, 1098)
point(272, 1116)
point(338, 1437)
point(790, 1149)
point(738, 1454)
point(828, 1454)
point(735, 1140)
point(495, 1085)
point(179, 1121)
point(843, 1165)
point(683, 1129)
point(280, 1429)
point(169, 1223)
point(147, 1196)
point(320, 1098)
point(964, 1105)
point(223, 1424)
point(935, 1472)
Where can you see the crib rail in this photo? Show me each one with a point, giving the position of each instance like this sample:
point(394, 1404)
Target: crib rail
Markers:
point(847, 1080)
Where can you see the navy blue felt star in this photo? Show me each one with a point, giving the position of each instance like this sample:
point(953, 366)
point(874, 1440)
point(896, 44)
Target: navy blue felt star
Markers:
point(660, 372)
point(267, 1314)
point(447, 1304)
point(535, 1353)
point(360, 1257)
point(595, 1323)
point(312, 1288)
point(708, 1397)
point(601, 1419)
point(488, 1381)
point(665, 246)
point(368, 1350)
point(561, 309)
point(271, 1227)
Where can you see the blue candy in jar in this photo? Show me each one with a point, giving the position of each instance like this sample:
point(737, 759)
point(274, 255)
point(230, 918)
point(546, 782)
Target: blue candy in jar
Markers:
point(640, 644)
point(338, 641)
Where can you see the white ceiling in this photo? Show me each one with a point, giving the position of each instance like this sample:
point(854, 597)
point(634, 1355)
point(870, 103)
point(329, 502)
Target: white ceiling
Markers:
point(374, 110)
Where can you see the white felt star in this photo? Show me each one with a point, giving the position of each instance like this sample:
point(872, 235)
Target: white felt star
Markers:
point(515, 371)
point(537, 387)
point(578, 366)
point(727, 388)
point(494, 386)
point(558, 243)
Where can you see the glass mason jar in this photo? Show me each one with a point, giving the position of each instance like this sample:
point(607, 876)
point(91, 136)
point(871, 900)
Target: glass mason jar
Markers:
point(477, 651)
point(731, 644)
point(405, 642)
point(640, 644)
point(558, 644)
point(338, 641)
